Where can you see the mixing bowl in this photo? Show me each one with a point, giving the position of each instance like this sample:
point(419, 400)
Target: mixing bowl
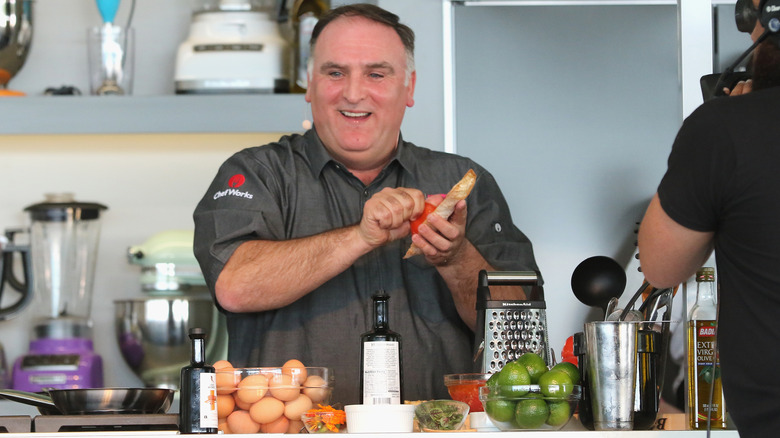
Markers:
point(530, 407)
point(152, 335)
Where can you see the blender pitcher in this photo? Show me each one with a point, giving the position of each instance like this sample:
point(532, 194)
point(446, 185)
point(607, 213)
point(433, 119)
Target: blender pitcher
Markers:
point(63, 238)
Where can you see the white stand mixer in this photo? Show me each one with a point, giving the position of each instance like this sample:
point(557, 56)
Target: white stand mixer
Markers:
point(234, 46)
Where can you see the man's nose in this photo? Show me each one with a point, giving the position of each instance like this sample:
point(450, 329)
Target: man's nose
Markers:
point(354, 89)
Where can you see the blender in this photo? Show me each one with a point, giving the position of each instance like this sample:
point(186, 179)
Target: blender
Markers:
point(234, 46)
point(63, 236)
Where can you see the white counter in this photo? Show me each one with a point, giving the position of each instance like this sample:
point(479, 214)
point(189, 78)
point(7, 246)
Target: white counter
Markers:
point(546, 434)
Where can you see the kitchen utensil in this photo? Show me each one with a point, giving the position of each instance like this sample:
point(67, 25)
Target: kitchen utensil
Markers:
point(16, 33)
point(107, 9)
point(611, 359)
point(64, 236)
point(596, 280)
point(96, 400)
point(611, 306)
point(234, 46)
point(152, 335)
point(509, 328)
point(648, 387)
point(8, 247)
point(632, 301)
point(111, 50)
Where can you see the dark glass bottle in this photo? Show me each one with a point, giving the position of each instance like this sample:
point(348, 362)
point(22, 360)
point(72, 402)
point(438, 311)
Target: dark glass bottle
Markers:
point(198, 390)
point(381, 374)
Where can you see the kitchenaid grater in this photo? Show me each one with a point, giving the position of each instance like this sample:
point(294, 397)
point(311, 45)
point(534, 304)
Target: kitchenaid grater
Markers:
point(507, 329)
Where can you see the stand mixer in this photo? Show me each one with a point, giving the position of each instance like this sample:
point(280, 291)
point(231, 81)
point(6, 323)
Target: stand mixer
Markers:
point(152, 331)
point(64, 238)
point(15, 39)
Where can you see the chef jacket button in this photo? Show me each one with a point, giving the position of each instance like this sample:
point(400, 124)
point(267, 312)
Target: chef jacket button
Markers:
point(497, 227)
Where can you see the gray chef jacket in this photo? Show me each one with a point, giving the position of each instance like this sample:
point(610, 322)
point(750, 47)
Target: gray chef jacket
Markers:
point(292, 189)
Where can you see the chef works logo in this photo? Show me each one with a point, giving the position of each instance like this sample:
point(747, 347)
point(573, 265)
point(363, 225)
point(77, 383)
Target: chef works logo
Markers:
point(234, 183)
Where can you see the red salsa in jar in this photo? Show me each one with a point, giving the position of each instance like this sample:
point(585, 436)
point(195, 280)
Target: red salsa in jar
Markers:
point(467, 392)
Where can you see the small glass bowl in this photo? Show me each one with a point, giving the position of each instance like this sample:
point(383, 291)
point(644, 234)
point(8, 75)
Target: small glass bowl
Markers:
point(523, 407)
point(322, 421)
point(441, 415)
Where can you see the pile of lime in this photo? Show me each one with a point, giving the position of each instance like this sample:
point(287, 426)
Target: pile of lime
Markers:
point(527, 395)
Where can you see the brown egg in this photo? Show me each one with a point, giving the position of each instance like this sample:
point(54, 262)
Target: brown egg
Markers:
point(225, 405)
point(227, 380)
point(294, 408)
point(283, 388)
point(240, 404)
point(280, 425)
point(295, 368)
point(241, 422)
point(218, 365)
point(222, 426)
point(316, 389)
point(252, 388)
point(266, 410)
point(295, 426)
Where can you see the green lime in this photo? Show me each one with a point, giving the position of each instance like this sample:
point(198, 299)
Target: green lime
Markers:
point(500, 410)
point(570, 369)
point(512, 375)
point(492, 381)
point(531, 413)
point(555, 384)
point(535, 365)
point(560, 412)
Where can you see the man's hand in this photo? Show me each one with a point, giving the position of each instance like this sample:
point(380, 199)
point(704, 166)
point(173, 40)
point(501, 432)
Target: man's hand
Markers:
point(441, 240)
point(387, 215)
point(742, 87)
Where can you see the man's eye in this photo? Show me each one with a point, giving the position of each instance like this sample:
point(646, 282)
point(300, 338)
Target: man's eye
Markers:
point(335, 74)
point(376, 75)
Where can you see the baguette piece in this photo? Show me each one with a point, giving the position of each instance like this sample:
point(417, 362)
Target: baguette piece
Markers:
point(444, 210)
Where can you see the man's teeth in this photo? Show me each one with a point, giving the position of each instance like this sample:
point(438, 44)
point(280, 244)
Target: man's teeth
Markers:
point(351, 114)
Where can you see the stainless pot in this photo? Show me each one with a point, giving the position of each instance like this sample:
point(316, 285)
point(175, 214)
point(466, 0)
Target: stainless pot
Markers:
point(96, 400)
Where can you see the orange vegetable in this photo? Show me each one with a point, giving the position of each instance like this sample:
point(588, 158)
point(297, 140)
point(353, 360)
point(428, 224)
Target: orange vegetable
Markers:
point(419, 221)
point(324, 419)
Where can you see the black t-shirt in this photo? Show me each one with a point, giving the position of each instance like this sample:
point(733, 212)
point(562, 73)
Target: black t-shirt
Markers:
point(292, 189)
point(724, 177)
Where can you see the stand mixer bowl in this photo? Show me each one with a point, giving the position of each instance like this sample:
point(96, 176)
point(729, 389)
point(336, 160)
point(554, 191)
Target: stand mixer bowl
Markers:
point(152, 335)
point(15, 39)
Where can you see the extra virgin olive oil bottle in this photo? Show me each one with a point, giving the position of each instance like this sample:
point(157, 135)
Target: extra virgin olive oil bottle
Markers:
point(705, 392)
point(198, 390)
point(381, 376)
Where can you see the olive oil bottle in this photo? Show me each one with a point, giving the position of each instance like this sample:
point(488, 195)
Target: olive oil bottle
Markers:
point(381, 376)
point(304, 16)
point(198, 390)
point(703, 361)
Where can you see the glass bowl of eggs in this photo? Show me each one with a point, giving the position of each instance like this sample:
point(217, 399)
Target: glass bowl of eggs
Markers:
point(269, 399)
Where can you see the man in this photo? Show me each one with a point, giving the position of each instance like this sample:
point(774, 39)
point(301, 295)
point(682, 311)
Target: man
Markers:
point(294, 237)
point(722, 191)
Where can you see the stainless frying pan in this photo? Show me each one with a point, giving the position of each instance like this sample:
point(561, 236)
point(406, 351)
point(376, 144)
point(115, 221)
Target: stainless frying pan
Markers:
point(96, 400)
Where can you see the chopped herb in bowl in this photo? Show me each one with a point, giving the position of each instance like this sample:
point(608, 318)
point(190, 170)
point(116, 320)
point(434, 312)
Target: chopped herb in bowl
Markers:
point(441, 414)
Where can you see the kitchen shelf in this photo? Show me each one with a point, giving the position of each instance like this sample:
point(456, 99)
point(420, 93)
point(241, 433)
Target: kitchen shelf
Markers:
point(152, 114)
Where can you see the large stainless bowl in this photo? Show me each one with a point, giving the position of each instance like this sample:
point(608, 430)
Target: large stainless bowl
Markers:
point(15, 37)
point(153, 335)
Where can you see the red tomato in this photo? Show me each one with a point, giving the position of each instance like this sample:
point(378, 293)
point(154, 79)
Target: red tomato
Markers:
point(417, 222)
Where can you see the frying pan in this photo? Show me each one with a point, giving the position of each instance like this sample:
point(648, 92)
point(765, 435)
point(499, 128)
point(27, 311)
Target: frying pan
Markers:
point(96, 400)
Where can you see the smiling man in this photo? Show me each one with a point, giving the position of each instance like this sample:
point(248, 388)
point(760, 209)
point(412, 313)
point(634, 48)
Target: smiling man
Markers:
point(294, 237)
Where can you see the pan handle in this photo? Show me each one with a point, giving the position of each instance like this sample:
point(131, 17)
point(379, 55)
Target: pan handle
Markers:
point(28, 398)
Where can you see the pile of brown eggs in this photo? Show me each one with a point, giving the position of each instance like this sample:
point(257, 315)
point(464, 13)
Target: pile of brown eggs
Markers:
point(269, 400)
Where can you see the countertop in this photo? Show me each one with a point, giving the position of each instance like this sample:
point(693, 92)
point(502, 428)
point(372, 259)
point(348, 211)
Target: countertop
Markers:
point(543, 434)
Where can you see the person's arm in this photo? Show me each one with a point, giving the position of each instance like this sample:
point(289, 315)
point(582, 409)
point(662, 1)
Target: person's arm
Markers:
point(670, 253)
point(444, 245)
point(263, 275)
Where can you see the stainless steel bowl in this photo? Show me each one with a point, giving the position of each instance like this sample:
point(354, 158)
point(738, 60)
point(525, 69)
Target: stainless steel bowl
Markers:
point(153, 339)
point(15, 37)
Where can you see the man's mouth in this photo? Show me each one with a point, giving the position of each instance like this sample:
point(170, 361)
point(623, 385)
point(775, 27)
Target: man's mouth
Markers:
point(354, 115)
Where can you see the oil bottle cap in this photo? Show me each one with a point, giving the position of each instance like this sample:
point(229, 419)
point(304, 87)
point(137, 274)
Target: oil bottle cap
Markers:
point(705, 274)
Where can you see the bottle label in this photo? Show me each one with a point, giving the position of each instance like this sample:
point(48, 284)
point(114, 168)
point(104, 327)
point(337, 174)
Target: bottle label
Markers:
point(381, 373)
point(208, 400)
point(305, 28)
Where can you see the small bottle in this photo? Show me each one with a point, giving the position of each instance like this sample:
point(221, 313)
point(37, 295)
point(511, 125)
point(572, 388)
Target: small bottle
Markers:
point(198, 390)
point(703, 377)
point(381, 376)
point(304, 15)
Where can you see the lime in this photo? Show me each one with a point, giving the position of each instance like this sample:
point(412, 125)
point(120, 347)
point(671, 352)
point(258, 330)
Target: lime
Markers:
point(535, 365)
point(556, 384)
point(492, 381)
point(500, 410)
point(531, 413)
point(560, 412)
point(510, 376)
point(570, 369)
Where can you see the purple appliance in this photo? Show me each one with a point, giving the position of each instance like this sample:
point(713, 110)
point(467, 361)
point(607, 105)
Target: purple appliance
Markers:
point(64, 238)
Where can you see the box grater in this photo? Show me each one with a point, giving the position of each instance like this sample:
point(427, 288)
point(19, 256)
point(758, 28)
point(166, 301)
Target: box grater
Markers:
point(507, 329)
